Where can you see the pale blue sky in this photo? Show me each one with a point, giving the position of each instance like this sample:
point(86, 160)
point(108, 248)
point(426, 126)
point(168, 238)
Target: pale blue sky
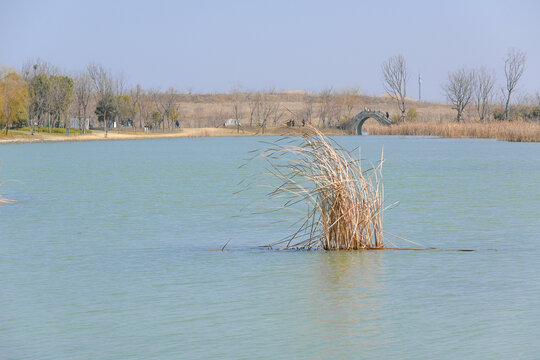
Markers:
point(213, 46)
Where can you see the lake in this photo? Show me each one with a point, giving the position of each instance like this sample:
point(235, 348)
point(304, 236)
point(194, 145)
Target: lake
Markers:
point(106, 255)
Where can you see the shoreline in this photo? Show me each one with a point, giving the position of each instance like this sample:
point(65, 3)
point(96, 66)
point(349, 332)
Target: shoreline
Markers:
point(512, 132)
point(22, 137)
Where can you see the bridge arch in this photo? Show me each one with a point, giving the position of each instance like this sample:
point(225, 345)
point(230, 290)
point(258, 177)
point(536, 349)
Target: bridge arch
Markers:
point(355, 124)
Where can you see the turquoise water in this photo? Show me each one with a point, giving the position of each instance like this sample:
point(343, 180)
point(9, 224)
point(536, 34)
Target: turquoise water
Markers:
point(106, 256)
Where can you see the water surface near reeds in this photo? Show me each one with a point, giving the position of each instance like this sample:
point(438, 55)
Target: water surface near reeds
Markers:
point(106, 255)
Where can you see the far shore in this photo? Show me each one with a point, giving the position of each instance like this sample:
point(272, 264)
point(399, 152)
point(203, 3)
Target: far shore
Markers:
point(18, 136)
point(505, 131)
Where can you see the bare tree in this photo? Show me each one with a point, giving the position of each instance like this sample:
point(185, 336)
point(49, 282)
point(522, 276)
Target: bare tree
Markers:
point(525, 99)
point(145, 109)
point(278, 113)
point(254, 104)
point(395, 81)
point(483, 91)
point(307, 111)
point(120, 84)
point(61, 96)
point(36, 73)
point(325, 100)
point(137, 98)
point(104, 87)
point(459, 89)
point(335, 110)
point(83, 93)
point(514, 65)
point(42, 77)
point(33, 67)
point(167, 105)
point(330, 108)
point(155, 95)
point(237, 97)
point(122, 103)
point(267, 109)
point(126, 110)
point(171, 104)
point(350, 99)
point(142, 101)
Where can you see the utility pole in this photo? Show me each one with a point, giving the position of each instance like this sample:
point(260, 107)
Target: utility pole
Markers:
point(419, 87)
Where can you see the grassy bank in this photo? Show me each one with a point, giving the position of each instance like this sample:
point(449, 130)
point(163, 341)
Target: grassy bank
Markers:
point(517, 131)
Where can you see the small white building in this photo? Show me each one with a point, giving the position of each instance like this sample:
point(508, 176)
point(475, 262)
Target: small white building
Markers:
point(231, 123)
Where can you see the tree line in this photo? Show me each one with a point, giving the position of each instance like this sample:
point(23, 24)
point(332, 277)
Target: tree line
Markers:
point(43, 98)
point(464, 87)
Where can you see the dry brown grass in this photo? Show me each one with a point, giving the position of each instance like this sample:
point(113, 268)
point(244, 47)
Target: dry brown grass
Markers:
point(211, 110)
point(518, 131)
point(344, 202)
point(212, 132)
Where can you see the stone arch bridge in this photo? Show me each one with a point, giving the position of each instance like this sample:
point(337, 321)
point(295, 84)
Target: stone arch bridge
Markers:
point(355, 124)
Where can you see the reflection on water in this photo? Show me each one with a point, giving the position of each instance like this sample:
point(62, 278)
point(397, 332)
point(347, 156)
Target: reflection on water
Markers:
point(348, 300)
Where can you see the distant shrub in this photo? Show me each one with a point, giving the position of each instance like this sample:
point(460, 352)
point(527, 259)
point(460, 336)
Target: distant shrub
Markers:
point(526, 113)
point(529, 113)
point(396, 119)
point(535, 113)
point(412, 114)
point(499, 114)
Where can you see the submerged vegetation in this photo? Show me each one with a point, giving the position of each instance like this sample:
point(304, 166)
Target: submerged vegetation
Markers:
point(344, 202)
point(3, 200)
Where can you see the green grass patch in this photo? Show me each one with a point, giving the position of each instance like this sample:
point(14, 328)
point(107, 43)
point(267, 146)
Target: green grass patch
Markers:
point(42, 129)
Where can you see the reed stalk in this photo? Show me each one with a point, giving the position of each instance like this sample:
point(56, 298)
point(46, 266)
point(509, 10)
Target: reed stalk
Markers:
point(343, 202)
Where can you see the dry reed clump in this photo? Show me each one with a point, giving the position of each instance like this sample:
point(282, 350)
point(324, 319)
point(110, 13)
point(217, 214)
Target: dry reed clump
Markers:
point(516, 131)
point(344, 202)
point(3, 200)
point(6, 201)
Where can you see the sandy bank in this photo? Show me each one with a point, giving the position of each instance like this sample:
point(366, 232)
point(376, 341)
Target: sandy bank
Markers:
point(16, 136)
